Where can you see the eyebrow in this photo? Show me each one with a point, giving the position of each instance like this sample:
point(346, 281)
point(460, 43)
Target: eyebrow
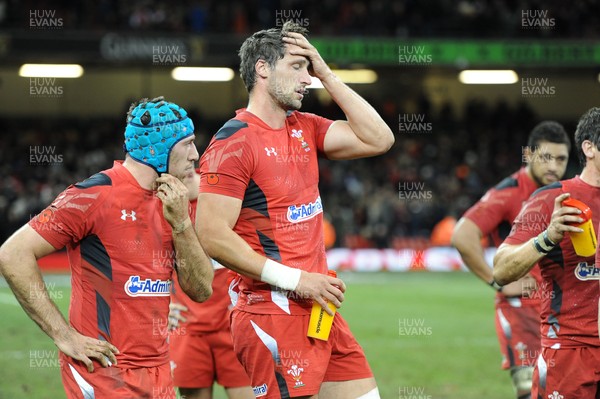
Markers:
point(299, 60)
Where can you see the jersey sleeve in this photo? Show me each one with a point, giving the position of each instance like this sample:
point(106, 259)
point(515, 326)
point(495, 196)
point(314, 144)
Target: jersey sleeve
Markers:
point(226, 166)
point(491, 210)
point(533, 218)
point(320, 126)
point(69, 218)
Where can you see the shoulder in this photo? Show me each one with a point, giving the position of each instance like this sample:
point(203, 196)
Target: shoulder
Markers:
point(307, 117)
point(101, 179)
point(84, 195)
point(551, 190)
point(232, 128)
point(507, 183)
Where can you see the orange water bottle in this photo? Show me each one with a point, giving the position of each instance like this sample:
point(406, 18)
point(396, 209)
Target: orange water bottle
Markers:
point(319, 325)
point(585, 243)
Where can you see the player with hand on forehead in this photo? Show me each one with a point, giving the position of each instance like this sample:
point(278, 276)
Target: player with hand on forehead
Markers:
point(260, 214)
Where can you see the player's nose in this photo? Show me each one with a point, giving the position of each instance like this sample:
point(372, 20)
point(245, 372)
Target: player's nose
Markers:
point(194, 155)
point(305, 78)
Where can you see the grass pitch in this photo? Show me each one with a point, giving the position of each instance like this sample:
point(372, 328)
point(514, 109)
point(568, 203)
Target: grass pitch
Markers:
point(427, 336)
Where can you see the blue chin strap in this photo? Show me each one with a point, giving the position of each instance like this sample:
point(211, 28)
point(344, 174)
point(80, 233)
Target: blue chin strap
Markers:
point(152, 131)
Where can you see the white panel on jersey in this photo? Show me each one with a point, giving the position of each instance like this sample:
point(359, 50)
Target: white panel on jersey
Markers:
point(216, 265)
point(280, 299)
point(505, 325)
point(86, 389)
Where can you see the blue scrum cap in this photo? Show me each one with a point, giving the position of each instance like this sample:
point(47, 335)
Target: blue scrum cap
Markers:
point(153, 129)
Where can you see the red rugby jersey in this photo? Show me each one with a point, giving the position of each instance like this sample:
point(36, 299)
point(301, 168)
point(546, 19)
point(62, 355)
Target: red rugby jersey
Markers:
point(275, 174)
point(121, 256)
point(570, 282)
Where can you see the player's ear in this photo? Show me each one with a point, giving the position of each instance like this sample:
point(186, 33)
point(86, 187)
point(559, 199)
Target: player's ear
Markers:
point(262, 68)
point(588, 149)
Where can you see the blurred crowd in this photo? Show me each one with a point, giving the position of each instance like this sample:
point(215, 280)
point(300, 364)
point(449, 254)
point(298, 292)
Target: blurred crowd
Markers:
point(394, 18)
point(433, 172)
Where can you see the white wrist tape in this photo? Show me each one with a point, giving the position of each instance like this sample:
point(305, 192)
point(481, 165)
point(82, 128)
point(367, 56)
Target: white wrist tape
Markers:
point(281, 276)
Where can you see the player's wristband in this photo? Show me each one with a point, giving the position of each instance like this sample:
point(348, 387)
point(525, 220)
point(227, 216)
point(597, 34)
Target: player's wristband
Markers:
point(543, 244)
point(181, 227)
point(549, 243)
point(494, 284)
point(538, 247)
point(281, 276)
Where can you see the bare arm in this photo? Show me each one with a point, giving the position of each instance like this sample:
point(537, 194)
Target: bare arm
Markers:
point(514, 261)
point(467, 240)
point(194, 268)
point(216, 215)
point(18, 264)
point(364, 133)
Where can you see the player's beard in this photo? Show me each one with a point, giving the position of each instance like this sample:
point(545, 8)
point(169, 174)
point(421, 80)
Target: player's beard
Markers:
point(539, 180)
point(287, 100)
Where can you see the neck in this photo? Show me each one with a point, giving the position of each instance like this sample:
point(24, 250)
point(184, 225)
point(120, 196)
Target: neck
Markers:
point(144, 175)
point(263, 106)
point(192, 186)
point(590, 174)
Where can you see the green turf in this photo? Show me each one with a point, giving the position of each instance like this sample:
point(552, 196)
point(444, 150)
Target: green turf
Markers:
point(427, 336)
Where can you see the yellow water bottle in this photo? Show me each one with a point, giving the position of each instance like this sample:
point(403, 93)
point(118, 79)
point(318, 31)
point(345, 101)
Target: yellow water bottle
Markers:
point(585, 242)
point(319, 325)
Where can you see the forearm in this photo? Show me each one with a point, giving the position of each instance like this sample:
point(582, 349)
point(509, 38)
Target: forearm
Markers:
point(364, 120)
point(194, 268)
point(230, 250)
point(473, 257)
point(25, 280)
point(466, 238)
point(514, 261)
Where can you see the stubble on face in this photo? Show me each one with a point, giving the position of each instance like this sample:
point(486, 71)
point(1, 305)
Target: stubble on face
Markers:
point(283, 93)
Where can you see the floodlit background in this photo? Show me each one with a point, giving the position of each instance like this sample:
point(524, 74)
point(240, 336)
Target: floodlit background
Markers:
point(461, 84)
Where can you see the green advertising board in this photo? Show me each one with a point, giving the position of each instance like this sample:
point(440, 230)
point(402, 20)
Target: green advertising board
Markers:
point(468, 53)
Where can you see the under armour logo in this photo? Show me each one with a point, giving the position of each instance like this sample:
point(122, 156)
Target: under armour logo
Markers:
point(271, 151)
point(125, 215)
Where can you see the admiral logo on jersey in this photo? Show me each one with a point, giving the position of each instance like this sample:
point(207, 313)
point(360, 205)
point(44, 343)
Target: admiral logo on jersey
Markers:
point(584, 272)
point(304, 212)
point(148, 287)
point(260, 390)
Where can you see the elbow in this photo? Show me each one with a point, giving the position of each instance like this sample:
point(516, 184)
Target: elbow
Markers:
point(208, 243)
point(458, 238)
point(455, 241)
point(5, 261)
point(202, 294)
point(386, 142)
point(199, 287)
point(500, 276)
